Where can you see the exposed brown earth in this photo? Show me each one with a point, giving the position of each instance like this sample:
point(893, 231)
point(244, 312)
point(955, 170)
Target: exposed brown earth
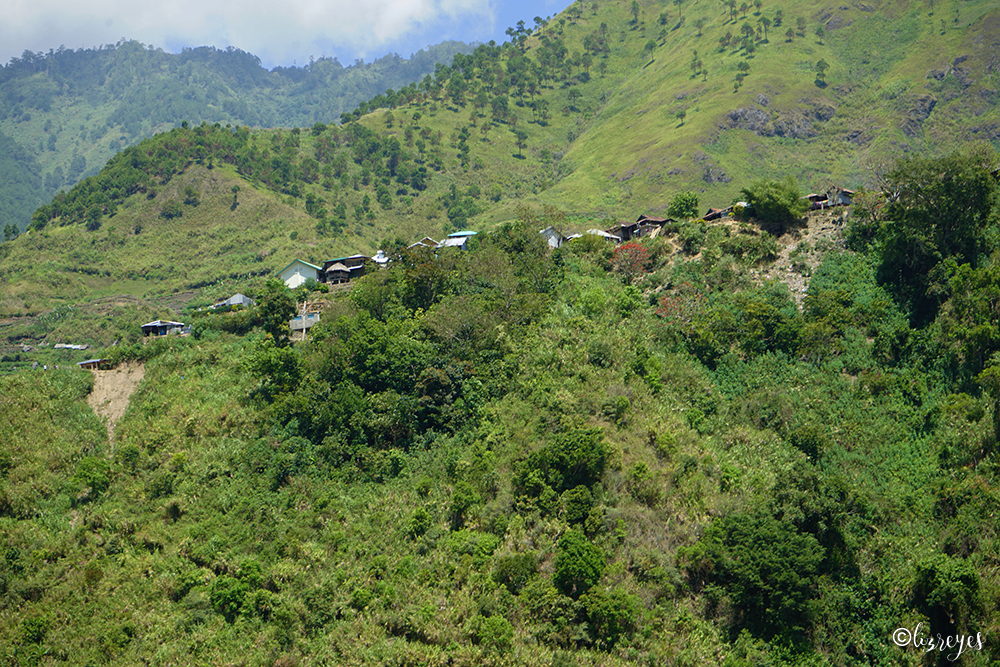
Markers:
point(822, 233)
point(112, 391)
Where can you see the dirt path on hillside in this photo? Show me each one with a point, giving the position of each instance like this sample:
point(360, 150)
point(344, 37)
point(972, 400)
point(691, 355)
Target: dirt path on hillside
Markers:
point(112, 391)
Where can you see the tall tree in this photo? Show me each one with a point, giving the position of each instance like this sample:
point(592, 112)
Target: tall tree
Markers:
point(520, 139)
point(821, 68)
point(276, 306)
point(939, 209)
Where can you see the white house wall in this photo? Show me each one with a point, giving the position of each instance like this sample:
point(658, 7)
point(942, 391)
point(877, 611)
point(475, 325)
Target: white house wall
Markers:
point(297, 275)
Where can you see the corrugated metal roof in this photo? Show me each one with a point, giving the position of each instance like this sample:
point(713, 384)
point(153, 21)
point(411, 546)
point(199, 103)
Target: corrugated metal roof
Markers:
point(163, 323)
point(341, 259)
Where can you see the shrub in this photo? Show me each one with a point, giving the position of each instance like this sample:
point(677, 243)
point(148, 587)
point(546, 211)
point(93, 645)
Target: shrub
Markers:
point(642, 485)
point(600, 353)
point(612, 615)
point(947, 590)
point(129, 456)
point(92, 472)
point(592, 302)
point(683, 206)
point(588, 244)
point(261, 604)
point(768, 569)
point(577, 503)
point(630, 260)
point(171, 210)
point(495, 633)
point(571, 459)
point(420, 522)
point(752, 249)
point(776, 201)
point(578, 565)
point(515, 570)
point(34, 629)
point(463, 499)
point(361, 598)
point(227, 596)
point(691, 236)
point(629, 301)
point(161, 484)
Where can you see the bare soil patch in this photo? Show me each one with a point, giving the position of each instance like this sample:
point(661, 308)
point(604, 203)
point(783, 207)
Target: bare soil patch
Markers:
point(801, 250)
point(112, 391)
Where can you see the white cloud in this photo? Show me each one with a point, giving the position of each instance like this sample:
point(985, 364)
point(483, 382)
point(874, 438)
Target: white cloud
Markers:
point(277, 32)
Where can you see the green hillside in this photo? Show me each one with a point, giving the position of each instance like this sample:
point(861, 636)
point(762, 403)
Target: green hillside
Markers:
point(21, 176)
point(71, 110)
point(768, 439)
point(597, 116)
point(619, 109)
point(596, 455)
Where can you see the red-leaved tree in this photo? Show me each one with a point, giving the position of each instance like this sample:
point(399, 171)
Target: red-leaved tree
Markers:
point(630, 259)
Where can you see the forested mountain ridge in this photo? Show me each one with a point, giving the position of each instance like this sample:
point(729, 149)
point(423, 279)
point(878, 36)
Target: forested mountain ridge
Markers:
point(632, 102)
point(71, 110)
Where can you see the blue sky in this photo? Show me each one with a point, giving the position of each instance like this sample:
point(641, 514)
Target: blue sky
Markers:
point(280, 33)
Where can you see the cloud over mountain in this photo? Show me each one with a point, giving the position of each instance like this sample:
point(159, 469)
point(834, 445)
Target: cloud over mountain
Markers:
point(277, 32)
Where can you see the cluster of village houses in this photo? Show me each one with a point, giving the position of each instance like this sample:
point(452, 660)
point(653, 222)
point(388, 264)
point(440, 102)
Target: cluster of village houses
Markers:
point(345, 269)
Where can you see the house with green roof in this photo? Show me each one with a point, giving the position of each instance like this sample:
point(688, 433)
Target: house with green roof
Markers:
point(298, 272)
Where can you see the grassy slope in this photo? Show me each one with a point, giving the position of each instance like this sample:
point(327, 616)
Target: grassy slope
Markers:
point(878, 62)
point(632, 152)
point(617, 150)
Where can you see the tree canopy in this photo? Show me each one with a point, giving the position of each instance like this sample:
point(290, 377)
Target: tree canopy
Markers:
point(775, 201)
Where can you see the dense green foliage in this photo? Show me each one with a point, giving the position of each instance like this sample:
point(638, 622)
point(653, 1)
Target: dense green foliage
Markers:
point(775, 202)
point(230, 79)
point(22, 186)
point(940, 209)
point(506, 455)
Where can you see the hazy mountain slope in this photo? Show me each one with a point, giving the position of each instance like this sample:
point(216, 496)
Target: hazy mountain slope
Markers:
point(21, 184)
point(72, 110)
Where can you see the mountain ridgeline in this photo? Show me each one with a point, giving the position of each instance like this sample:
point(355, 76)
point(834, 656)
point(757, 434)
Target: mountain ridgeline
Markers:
point(70, 110)
point(623, 104)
